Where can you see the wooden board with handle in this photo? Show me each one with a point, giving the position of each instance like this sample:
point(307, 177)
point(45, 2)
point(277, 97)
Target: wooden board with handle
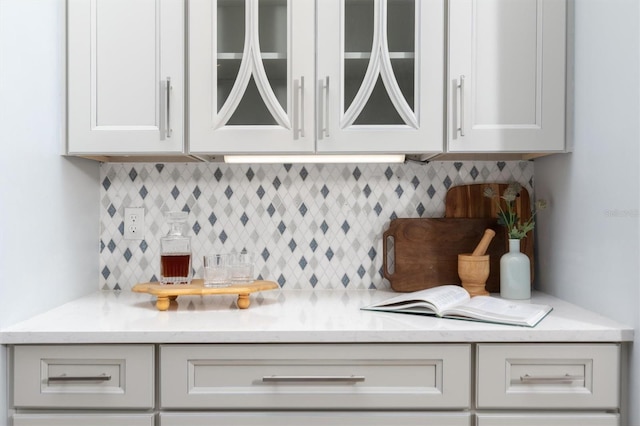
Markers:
point(468, 201)
point(423, 253)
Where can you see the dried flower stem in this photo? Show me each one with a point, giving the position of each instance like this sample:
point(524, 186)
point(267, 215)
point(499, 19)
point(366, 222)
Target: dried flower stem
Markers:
point(509, 217)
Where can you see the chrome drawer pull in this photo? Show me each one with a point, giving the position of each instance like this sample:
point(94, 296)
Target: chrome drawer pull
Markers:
point(289, 379)
point(567, 378)
point(64, 378)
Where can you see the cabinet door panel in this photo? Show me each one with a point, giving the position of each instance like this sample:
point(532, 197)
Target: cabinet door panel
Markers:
point(123, 95)
point(275, 418)
point(125, 76)
point(506, 76)
point(251, 68)
point(380, 74)
point(499, 79)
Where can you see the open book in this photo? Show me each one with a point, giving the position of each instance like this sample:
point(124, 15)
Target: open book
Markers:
point(452, 301)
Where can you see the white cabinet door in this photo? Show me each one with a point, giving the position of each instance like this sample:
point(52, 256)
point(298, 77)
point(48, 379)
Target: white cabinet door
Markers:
point(380, 76)
point(251, 72)
point(311, 418)
point(125, 76)
point(255, 85)
point(506, 83)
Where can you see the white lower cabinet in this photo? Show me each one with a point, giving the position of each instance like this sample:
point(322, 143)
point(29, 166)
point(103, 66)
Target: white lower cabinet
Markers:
point(317, 384)
point(314, 418)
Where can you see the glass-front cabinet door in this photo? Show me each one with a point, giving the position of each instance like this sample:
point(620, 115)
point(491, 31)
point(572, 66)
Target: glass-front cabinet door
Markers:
point(251, 72)
point(380, 76)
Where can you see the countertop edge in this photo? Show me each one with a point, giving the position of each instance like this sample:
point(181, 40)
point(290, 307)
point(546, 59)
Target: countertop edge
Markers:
point(514, 336)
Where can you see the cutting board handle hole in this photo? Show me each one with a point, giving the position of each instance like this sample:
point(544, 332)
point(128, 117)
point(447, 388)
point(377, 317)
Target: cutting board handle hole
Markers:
point(390, 255)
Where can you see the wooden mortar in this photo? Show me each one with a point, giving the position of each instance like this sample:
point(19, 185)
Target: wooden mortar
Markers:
point(473, 269)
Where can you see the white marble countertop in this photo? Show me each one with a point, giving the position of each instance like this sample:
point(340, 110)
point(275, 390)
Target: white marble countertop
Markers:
point(280, 316)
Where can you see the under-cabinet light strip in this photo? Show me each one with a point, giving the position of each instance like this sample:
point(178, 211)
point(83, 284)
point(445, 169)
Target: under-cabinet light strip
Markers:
point(287, 159)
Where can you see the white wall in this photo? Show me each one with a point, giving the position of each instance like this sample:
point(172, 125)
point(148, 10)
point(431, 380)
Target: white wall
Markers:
point(588, 241)
point(49, 215)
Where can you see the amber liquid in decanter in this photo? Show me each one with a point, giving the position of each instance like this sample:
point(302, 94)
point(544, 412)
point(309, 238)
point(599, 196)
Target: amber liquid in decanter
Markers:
point(175, 252)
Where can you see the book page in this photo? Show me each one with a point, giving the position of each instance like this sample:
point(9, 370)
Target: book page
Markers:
point(437, 299)
point(503, 311)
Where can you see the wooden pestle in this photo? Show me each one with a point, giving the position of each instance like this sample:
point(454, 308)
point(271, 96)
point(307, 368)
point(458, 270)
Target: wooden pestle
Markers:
point(481, 248)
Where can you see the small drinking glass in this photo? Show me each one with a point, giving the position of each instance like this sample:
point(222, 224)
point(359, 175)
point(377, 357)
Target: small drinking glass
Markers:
point(216, 270)
point(242, 267)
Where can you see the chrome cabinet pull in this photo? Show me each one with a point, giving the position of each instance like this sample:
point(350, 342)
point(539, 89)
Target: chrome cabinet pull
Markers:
point(302, 106)
point(326, 106)
point(168, 129)
point(294, 379)
point(460, 88)
point(65, 378)
point(300, 95)
point(324, 87)
point(567, 378)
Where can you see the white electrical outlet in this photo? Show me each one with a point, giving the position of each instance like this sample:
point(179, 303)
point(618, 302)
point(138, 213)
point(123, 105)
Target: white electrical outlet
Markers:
point(134, 223)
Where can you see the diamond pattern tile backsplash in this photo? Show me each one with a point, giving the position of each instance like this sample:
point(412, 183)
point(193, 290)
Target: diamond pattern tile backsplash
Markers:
point(311, 225)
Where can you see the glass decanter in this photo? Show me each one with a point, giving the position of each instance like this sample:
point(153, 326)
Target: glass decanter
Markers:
point(175, 251)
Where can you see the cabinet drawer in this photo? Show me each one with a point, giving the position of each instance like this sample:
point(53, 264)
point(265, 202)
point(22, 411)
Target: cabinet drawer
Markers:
point(84, 376)
point(311, 418)
point(548, 419)
point(102, 419)
point(331, 376)
point(548, 376)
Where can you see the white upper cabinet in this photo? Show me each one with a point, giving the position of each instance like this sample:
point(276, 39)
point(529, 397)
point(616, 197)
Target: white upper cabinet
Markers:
point(316, 76)
point(251, 72)
point(506, 84)
point(125, 76)
point(380, 76)
point(299, 76)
